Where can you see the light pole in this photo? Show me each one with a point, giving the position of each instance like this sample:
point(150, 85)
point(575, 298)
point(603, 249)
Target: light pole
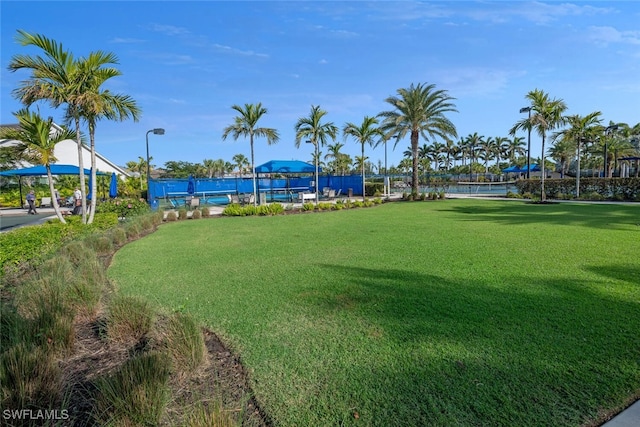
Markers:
point(607, 133)
point(315, 156)
point(156, 131)
point(528, 110)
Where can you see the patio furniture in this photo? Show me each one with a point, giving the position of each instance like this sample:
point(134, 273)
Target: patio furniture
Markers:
point(45, 202)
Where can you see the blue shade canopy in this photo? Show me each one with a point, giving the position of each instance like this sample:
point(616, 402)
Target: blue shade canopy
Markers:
point(523, 169)
point(41, 170)
point(113, 186)
point(286, 166)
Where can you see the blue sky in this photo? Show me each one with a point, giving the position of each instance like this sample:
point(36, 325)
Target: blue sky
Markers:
point(186, 63)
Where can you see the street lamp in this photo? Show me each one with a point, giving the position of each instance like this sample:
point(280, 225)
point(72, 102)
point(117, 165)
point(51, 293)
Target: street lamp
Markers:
point(156, 131)
point(315, 145)
point(387, 187)
point(607, 132)
point(528, 110)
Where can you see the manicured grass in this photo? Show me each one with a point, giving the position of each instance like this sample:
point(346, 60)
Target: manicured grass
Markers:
point(459, 312)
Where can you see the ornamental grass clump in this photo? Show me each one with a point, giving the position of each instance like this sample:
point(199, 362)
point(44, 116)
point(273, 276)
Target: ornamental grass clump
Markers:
point(128, 318)
point(205, 212)
point(184, 342)
point(182, 213)
point(136, 394)
point(196, 214)
point(172, 216)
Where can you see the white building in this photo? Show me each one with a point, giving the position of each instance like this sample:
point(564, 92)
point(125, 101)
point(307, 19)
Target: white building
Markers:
point(66, 153)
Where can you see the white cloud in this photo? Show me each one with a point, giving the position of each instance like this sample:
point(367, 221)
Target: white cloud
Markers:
point(170, 30)
point(323, 61)
point(235, 51)
point(606, 35)
point(124, 40)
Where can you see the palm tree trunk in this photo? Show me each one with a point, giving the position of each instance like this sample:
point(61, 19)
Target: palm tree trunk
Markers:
point(363, 182)
point(54, 199)
point(81, 172)
point(414, 175)
point(253, 174)
point(543, 195)
point(92, 190)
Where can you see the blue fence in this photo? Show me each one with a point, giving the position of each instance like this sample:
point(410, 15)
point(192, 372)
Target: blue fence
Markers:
point(215, 190)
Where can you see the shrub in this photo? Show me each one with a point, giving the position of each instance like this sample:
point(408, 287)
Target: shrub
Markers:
point(263, 210)
point(172, 216)
point(101, 243)
point(308, 207)
point(182, 213)
point(276, 208)
point(132, 229)
point(185, 342)
point(196, 214)
point(442, 195)
point(136, 394)
point(124, 208)
point(118, 236)
point(377, 201)
point(29, 377)
point(232, 209)
point(128, 318)
point(205, 212)
point(325, 206)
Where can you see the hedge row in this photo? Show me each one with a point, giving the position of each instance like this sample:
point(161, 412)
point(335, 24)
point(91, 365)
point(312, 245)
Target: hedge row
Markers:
point(623, 189)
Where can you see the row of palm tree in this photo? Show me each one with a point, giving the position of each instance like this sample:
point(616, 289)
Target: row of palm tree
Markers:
point(76, 85)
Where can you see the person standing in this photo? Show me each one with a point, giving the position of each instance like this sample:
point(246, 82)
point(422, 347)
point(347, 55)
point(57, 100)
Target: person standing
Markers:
point(77, 201)
point(31, 199)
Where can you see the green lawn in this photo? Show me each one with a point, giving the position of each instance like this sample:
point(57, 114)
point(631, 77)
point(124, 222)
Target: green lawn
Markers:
point(458, 312)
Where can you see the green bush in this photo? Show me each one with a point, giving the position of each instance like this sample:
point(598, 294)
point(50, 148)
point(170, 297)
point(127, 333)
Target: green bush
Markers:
point(232, 209)
point(276, 208)
point(123, 207)
point(371, 188)
point(308, 207)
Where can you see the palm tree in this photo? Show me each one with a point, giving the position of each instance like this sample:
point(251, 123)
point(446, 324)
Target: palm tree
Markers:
point(38, 142)
point(334, 153)
point(487, 150)
point(241, 162)
point(313, 131)
point(562, 152)
point(55, 78)
point(140, 167)
point(546, 115)
point(245, 125)
point(62, 80)
point(472, 144)
point(419, 110)
point(364, 134)
point(515, 147)
point(581, 129)
point(96, 104)
point(500, 147)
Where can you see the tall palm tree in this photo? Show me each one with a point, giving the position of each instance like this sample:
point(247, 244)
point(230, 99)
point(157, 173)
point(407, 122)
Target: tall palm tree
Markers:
point(62, 80)
point(473, 142)
point(312, 130)
point(38, 142)
point(245, 125)
point(500, 147)
point(562, 152)
point(486, 151)
point(365, 133)
point(581, 129)
point(546, 115)
point(55, 78)
point(139, 167)
point(419, 110)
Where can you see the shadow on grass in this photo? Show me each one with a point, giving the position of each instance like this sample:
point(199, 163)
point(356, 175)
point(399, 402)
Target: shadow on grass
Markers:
point(624, 272)
point(589, 215)
point(546, 352)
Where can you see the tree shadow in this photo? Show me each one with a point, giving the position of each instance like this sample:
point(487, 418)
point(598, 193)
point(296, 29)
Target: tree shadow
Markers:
point(510, 355)
point(605, 216)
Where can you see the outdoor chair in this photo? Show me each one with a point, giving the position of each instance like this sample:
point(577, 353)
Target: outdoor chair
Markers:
point(45, 202)
point(194, 202)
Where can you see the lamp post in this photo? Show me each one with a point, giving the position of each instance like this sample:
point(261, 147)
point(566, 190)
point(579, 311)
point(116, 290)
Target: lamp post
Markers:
point(156, 131)
point(528, 110)
point(315, 157)
point(607, 133)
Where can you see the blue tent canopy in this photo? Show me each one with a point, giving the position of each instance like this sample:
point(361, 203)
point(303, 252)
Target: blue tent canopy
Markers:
point(286, 166)
point(55, 170)
point(523, 169)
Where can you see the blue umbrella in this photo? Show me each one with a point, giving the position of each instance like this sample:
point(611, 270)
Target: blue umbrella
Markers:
point(113, 186)
point(191, 186)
